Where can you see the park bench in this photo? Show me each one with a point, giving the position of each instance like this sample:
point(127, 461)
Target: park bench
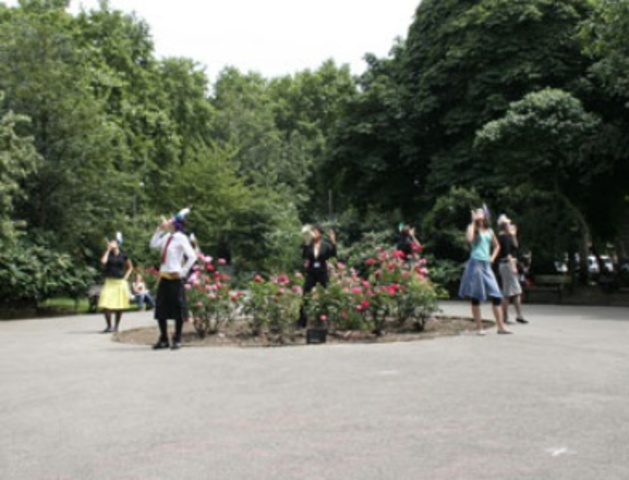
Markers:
point(548, 283)
point(93, 294)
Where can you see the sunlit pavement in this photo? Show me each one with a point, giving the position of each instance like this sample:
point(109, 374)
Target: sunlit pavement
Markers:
point(549, 402)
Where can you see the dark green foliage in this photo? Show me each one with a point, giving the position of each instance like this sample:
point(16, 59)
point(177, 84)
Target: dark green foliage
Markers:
point(18, 160)
point(481, 56)
point(522, 104)
point(445, 223)
point(31, 274)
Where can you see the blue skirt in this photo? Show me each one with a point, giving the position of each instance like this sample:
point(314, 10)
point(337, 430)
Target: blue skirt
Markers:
point(479, 281)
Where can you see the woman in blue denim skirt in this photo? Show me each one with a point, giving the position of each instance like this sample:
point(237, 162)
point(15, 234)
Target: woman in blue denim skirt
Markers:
point(479, 282)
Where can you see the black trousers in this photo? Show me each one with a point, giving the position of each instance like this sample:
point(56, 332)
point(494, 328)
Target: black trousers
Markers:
point(171, 304)
point(313, 278)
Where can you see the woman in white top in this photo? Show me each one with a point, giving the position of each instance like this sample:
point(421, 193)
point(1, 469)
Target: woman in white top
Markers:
point(177, 259)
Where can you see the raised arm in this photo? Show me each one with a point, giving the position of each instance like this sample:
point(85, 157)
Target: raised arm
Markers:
point(105, 258)
point(470, 235)
point(333, 252)
point(514, 235)
point(157, 242)
point(159, 237)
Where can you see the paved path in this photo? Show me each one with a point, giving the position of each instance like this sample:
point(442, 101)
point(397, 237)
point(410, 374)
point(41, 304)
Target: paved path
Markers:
point(551, 402)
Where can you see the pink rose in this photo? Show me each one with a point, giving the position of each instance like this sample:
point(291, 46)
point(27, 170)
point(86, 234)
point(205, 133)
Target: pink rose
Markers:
point(357, 290)
point(222, 261)
point(323, 318)
point(417, 247)
point(258, 279)
point(187, 286)
point(370, 262)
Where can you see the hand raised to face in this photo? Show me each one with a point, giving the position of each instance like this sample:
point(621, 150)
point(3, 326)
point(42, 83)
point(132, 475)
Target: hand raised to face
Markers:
point(477, 215)
point(166, 223)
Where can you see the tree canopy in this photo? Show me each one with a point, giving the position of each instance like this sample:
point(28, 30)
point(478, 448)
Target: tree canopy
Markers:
point(520, 104)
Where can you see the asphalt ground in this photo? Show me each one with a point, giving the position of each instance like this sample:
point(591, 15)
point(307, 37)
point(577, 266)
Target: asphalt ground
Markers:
point(549, 402)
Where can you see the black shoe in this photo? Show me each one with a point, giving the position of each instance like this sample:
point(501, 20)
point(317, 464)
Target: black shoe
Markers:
point(161, 345)
point(176, 345)
point(521, 320)
point(107, 330)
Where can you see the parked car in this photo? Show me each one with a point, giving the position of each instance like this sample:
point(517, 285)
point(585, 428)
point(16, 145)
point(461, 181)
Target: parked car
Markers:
point(607, 263)
point(561, 267)
point(593, 265)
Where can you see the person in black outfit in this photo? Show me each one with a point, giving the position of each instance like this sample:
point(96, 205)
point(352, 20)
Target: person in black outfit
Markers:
point(507, 267)
point(316, 255)
point(407, 241)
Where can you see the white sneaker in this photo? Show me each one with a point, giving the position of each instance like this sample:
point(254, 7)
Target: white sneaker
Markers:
point(481, 333)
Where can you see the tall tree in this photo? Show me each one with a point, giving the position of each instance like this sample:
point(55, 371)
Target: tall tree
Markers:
point(45, 77)
point(465, 61)
point(541, 145)
point(18, 160)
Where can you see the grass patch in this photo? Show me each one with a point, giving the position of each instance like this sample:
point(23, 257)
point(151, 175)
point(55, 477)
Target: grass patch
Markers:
point(66, 304)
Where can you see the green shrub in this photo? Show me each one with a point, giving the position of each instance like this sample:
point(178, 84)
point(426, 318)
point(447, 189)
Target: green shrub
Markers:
point(30, 275)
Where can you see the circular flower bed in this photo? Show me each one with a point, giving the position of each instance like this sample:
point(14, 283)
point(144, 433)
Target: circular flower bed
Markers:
point(393, 294)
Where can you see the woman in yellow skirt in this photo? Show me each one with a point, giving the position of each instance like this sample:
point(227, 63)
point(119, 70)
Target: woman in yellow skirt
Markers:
point(114, 297)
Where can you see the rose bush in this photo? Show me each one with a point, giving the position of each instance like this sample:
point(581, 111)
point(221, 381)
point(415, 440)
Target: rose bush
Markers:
point(392, 291)
point(211, 301)
point(272, 304)
point(395, 288)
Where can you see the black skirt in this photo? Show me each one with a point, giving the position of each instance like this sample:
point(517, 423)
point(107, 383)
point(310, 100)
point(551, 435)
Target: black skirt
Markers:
point(171, 301)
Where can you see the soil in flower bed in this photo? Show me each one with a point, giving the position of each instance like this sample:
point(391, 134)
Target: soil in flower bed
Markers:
point(239, 335)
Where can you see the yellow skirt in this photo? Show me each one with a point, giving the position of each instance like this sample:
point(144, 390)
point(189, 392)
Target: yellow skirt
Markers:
point(114, 295)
